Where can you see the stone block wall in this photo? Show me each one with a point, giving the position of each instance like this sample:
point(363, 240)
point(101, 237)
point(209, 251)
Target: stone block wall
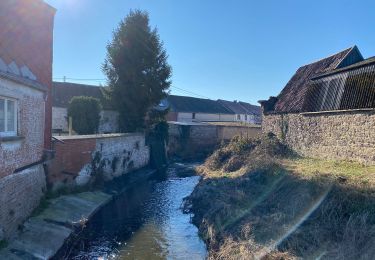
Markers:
point(342, 135)
point(228, 132)
point(114, 154)
point(195, 140)
point(20, 194)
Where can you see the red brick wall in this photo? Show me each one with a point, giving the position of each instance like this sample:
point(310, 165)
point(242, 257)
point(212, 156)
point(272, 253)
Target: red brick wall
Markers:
point(26, 37)
point(70, 158)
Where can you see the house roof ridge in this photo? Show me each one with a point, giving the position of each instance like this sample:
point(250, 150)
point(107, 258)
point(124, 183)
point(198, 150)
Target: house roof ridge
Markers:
point(366, 62)
point(348, 50)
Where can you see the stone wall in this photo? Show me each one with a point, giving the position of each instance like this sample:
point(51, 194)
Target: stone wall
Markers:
point(114, 154)
point(228, 132)
point(20, 194)
point(190, 140)
point(27, 148)
point(343, 135)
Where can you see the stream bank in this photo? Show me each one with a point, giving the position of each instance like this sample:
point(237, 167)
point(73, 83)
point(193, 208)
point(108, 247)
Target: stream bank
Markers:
point(56, 226)
point(266, 203)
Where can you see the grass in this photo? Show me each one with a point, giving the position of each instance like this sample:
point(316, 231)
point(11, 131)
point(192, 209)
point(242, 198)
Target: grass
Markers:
point(278, 206)
point(354, 173)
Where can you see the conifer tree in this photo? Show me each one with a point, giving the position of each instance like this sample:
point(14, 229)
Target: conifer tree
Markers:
point(137, 70)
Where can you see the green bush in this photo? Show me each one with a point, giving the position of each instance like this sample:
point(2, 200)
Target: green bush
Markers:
point(85, 113)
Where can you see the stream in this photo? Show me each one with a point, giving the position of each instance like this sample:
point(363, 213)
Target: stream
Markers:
point(146, 222)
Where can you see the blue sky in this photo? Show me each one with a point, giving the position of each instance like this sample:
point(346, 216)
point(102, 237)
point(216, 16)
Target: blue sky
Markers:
point(235, 50)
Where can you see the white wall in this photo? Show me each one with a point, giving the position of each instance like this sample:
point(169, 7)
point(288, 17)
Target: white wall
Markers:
point(108, 122)
point(59, 118)
point(250, 118)
point(188, 117)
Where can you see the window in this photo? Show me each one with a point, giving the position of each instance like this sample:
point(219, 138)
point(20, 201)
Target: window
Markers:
point(238, 117)
point(193, 116)
point(8, 117)
point(245, 117)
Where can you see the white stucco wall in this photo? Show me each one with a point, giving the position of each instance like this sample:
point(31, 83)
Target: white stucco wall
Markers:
point(250, 118)
point(188, 117)
point(108, 121)
point(59, 118)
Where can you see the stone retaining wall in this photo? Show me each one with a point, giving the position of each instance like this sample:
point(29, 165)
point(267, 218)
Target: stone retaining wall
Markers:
point(197, 140)
point(343, 135)
point(20, 194)
point(79, 158)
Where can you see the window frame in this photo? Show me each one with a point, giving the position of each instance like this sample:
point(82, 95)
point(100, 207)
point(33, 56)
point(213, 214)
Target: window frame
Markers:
point(6, 133)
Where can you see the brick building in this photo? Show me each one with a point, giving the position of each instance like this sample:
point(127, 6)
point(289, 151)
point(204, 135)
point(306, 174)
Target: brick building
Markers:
point(26, 37)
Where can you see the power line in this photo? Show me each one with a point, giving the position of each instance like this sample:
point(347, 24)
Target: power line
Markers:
point(177, 88)
point(189, 92)
point(79, 79)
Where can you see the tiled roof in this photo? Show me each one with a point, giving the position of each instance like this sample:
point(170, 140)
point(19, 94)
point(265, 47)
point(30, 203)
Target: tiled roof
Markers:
point(239, 107)
point(234, 106)
point(292, 97)
point(196, 105)
point(63, 92)
point(252, 109)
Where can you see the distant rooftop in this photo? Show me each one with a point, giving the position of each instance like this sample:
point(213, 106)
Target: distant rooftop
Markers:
point(63, 92)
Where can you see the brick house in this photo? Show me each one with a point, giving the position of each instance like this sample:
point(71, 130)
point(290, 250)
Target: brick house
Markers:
point(327, 109)
point(26, 34)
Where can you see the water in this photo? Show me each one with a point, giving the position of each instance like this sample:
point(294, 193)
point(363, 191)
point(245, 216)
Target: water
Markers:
point(145, 223)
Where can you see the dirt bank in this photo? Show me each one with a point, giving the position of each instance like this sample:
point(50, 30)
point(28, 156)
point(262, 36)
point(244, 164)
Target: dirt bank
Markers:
point(259, 201)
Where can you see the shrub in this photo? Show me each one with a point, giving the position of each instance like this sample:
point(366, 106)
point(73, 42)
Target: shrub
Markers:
point(85, 113)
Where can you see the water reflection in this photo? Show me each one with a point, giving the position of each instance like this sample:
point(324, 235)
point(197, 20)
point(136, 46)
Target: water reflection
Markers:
point(146, 223)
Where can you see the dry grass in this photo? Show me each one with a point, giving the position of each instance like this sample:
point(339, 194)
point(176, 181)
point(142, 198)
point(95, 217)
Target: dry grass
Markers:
point(290, 207)
point(354, 173)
